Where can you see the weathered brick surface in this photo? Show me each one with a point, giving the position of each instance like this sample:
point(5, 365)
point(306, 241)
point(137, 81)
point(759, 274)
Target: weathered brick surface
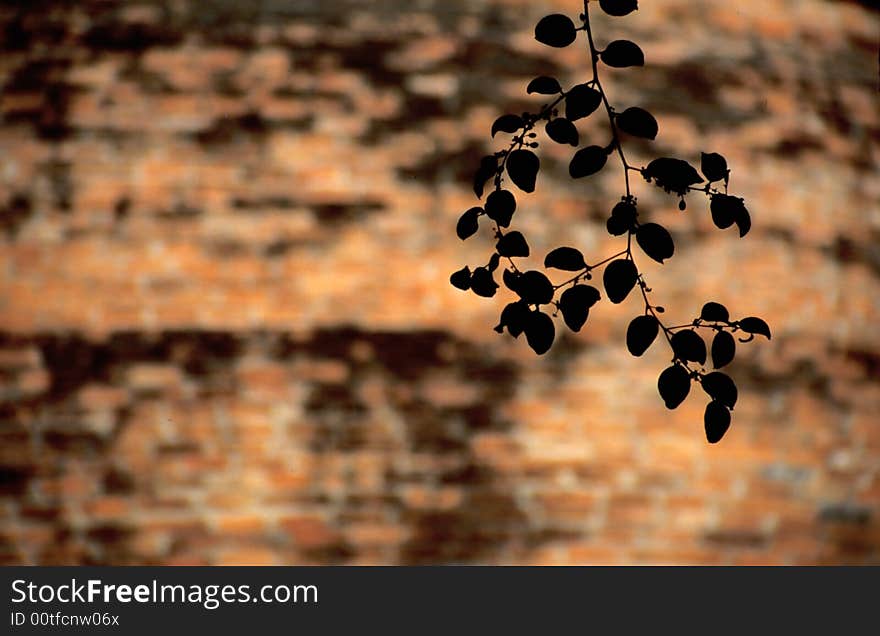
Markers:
point(227, 335)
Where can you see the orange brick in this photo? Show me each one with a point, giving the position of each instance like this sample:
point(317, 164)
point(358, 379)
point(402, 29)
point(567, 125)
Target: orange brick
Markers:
point(309, 532)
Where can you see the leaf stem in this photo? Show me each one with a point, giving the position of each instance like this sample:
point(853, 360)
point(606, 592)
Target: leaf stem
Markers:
point(594, 60)
point(588, 269)
point(519, 140)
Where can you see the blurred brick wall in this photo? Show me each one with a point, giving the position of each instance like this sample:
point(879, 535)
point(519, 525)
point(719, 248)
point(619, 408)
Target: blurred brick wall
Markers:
point(227, 333)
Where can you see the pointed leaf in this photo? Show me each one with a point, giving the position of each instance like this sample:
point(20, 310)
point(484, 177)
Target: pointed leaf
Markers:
point(655, 241)
point(534, 288)
point(467, 224)
point(511, 279)
point(637, 122)
point(494, 262)
point(753, 324)
point(623, 53)
point(688, 346)
point(619, 278)
point(641, 333)
point(714, 312)
point(713, 166)
point(723, 349)
point(725, 210)
point(488, 166)
point(508, 124)
point(540, 331)
point(544, 85)
point(482, 283)
point(720, 387)
point(555, 30)
point(743, 222)
point(674, 384)
point(575, 303)
point(618, 8)
point(461, 279)
point(587, 161)
point(512, 244)
point(562, 131)
point(716, 421)
point(500, 206)
point(514, 317)
point(565, 258)
point(581, 101)
point(523, 166)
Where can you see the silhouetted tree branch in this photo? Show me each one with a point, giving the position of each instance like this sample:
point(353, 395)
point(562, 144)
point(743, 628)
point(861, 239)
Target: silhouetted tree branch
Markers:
point(574, 298)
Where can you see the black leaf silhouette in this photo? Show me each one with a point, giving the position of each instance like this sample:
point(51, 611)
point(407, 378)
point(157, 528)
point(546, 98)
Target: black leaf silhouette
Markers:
point(544, 85)
point(673, 175)
point(622, 219)
point(500, 206)
point(655, 241)
point(581, 101)
point(512, 244)
point(743, 222)
point(467, 224)
point(623, 53)
point(494, 262)
point(555, 30)
point(723, 349)
point(619, 278)
point(753, 324)
point(534, 288)
point(511, 279)
point(641, 333)
point(587, 161)
point(716, 421)
point(461, 279)
point(562, 131)
point(487, 169)
point(720, 387)
point(540, 331)
point(724, 209)
point(523, 166)
point(714, 312)
point(713, 166)
point(727, 210)
point(514, 316)
point(688, 346)
point(674, 384)
point(615, 226)
point(638, 122)
point(482, 282)
point(565, 258)
point(618, 8)
point(575, 303)
point(508, 124)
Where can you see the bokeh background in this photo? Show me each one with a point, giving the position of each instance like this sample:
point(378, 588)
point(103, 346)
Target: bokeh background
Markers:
point(227, 334)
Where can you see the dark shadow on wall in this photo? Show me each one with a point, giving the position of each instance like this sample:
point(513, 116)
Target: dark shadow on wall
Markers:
point(486, 518)
point(386, 375)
